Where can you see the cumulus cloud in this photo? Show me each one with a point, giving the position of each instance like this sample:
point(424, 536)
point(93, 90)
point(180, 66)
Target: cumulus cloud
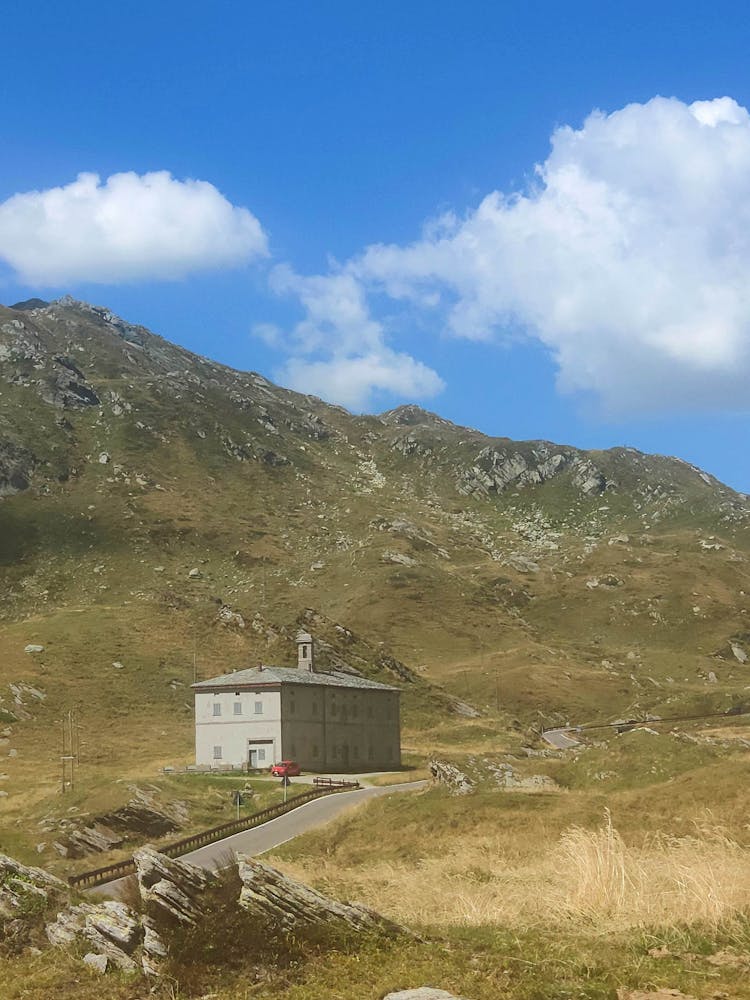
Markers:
point(628, 257)
point(126, 228)
point(338, 351)
point(355, 380)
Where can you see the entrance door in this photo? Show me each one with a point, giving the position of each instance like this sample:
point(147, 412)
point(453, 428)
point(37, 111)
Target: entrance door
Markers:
point(259, 754)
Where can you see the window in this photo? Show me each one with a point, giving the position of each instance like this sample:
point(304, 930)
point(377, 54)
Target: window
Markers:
point(217, 708)
point(261, 753)
point(304, 652)
point(259, 708)
point(238, 708)
point(217, 753)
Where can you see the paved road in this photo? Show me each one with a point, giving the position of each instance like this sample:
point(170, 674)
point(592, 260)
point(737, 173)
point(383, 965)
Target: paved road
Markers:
point(560, 739)
point(276, 831)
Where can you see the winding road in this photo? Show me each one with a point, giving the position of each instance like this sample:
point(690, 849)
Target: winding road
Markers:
point(561, 739)
point(276, 832)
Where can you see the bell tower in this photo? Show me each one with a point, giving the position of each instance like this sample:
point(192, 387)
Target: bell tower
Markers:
point(305, 652)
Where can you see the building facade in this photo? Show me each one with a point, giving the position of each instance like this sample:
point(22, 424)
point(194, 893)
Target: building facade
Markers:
point(324, 720)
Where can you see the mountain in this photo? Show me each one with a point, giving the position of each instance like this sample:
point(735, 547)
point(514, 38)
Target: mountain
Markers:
point(164, 517)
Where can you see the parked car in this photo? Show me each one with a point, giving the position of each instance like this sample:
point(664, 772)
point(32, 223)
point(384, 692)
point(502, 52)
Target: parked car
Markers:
point(286, 769)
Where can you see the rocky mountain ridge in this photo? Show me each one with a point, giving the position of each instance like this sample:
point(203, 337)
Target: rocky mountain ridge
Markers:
point(74, 356)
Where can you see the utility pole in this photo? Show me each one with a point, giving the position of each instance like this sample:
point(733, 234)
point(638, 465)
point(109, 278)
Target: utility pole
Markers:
point(69, 748)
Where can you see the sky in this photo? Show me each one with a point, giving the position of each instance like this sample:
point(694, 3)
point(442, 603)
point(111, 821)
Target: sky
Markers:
point(532, 219)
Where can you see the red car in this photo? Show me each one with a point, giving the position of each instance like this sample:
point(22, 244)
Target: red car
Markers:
point(286, 769)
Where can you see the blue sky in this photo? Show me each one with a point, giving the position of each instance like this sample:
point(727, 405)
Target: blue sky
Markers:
point(603, 306)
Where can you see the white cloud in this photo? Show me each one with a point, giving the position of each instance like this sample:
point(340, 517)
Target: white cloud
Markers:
point(628, 257)
point(356, 364)
point(129, 227)
point(353, 381)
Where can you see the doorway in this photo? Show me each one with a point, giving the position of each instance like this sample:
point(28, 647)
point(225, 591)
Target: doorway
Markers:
point(259, 754)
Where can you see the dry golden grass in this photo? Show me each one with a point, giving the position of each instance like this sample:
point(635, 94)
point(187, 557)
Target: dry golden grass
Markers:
point(585, 878)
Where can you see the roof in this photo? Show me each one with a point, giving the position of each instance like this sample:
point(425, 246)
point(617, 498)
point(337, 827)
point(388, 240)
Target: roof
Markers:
point(291, 675)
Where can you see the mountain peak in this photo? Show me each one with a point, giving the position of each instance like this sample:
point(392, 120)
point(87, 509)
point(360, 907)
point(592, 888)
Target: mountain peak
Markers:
point(410, 415)
point(28, 304)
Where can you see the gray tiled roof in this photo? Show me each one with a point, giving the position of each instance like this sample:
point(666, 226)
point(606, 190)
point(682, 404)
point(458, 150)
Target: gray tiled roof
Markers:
point(291, 675)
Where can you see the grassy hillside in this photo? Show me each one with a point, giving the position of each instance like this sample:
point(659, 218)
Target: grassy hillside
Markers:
point(149, 497)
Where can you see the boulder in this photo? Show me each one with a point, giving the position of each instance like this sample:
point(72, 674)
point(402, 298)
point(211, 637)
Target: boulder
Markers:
point(422, 993)
point(171, 887)
point(449, 775)
point(22, 885)
point(739, 653)
point(97, 962)
point(112, 929)
point(154, 948)
point(662, 994)
point(118, 923)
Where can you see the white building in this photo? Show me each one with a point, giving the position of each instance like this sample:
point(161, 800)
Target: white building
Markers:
point(324, 720)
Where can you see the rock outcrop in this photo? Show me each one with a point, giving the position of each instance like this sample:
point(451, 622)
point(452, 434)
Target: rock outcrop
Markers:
point(111, 929)
point(445, 773)
point(422, 993)
point(171, 888)
point(498, 468)
point(23, 887)
point(289, 905)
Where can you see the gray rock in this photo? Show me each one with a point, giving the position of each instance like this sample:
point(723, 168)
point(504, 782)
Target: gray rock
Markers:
point(422, 993)
point(105, 946)
point(118, 923)
point(97, 962)
point(522, 563)
point(449, 775)
point(739, 653)
point(228, 616)
point(112, 929)
point(10, 868)
point(154, 948)
point(465, 710)
point(397, 558)
point(68, 924)
point(170, 886)
point(33, 648)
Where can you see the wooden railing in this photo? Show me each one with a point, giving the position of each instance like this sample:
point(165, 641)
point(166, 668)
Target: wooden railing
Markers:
point(323, 786)
point(334, 783)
